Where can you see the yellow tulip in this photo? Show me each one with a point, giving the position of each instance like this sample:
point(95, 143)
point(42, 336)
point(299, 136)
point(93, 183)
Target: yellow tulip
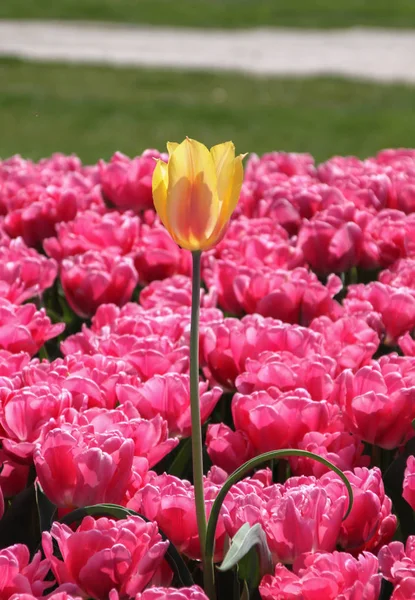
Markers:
point(196, 192)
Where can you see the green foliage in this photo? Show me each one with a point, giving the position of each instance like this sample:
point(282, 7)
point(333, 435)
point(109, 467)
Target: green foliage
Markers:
point(221, 13)
point(93, 111)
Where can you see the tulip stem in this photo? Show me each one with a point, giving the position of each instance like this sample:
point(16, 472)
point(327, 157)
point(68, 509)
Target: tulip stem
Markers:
point(197, 446)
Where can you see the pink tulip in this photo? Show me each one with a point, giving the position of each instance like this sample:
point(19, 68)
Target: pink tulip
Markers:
point(24, 328)
point(168, 396)
point(396, 307)
point(226, 448)
point(370, 523)
point(384, 239)
point(162, 593)
point(19, 576)
point(409, 482)
point(407, 344)
point(145, 357)
point(304, 516)
point(332, 576)
point(378, 403)
point(294, 296)
point(227, 345)
point(400, 274)
point(170, 501)
point(126, 182)
point(341, 448)
point(331, 240)
point(256, 243)
point(363, 182)
point(95, 381)
point(397, 561)
point(13, 476)
point(157, 256)
point(283, 371)
point(286, 163)
point(104, 554)
point(133, 319)
point(41, 210)
point(23, 415)
point(79, 467)
point(53, 596)
point(24, 273)
point(174, 292)
point(12, 362)
point(349, 340)
point(93, 278)
point(273, 423)
point(113, 232)
point(405, 590)
point(149, 356)
point(151, 437)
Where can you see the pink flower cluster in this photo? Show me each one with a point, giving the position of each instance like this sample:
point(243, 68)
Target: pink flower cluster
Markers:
point(307, 342)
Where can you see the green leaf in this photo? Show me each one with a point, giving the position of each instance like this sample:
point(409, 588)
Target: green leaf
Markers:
point(115, 511)
point(245, 540)
point(183, 458)
point(249, 570)
point(45, 508)
point(245, 592)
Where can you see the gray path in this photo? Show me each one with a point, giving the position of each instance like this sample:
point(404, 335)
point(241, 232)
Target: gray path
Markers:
point(374, 54)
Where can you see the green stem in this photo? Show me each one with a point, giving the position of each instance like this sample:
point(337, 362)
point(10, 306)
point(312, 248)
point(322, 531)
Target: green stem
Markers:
point(197, 447)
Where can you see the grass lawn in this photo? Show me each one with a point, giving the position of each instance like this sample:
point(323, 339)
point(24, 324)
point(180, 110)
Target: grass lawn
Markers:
point(222, 13)
point(94, 111)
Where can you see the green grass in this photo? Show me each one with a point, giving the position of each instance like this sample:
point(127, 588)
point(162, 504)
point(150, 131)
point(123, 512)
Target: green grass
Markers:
point(94, 111)
point(222, 13)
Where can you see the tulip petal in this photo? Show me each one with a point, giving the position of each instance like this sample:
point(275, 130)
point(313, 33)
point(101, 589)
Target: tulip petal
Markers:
point(193, 207)
point(171, 147)
point(235, 191)
point(160, 186)
point(224, 157)
point(230, 201)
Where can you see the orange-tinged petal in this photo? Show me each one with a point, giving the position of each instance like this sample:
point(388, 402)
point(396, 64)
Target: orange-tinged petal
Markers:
point(160, 186)
point(171, 147)
point(192, 207)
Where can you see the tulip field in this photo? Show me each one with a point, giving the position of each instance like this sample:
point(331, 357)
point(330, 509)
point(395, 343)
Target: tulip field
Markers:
point(306, 353)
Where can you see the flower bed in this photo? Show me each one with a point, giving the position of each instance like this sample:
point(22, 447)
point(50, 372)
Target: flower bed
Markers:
point(306, 323)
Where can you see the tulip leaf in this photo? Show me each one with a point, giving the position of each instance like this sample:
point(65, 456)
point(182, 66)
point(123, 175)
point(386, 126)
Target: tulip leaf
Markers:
point(245, 592)
point(45, 508)
point(114, 511)
point(249, 550)
point(249, 570)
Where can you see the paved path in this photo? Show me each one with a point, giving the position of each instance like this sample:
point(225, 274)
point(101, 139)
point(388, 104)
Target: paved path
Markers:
point(375, 54)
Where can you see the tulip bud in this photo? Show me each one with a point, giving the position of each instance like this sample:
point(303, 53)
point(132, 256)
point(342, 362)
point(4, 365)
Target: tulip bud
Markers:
point(196, 192)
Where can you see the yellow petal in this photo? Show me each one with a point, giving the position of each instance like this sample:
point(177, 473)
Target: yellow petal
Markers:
point(192, 208)
point(171, 147)
point(235, 189)
point(232, 197)
point(223, 156)
point(160, 186)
